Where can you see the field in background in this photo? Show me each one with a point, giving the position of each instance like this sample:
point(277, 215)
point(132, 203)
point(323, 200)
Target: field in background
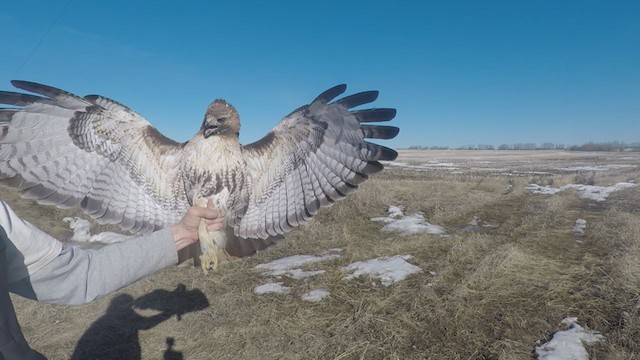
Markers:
point(483, 293)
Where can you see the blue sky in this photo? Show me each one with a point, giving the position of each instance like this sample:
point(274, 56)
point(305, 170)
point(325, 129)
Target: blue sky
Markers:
point(459, 72)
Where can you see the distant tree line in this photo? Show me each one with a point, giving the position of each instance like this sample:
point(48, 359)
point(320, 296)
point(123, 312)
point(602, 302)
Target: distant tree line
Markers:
point(610, 146)
point(590, 146)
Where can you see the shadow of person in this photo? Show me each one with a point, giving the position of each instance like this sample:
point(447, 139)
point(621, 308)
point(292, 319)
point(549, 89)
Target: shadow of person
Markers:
point(115, 334)
point(171, 354)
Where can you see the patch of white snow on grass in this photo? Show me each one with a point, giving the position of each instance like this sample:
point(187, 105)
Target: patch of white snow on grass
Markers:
point(82, 232)
point(597, 167)
point(290, 266)
point(539, 189)
point(315, 295)
point(271, 288)
point(431, 165)
point(568, 344)
point(81, 228)
point(411, 224)
point(592, 192)
point(294, 273)
point(388, 269)
point(580, 227)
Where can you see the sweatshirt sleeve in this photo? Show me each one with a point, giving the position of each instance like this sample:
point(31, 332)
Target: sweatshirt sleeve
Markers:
point(78, 276)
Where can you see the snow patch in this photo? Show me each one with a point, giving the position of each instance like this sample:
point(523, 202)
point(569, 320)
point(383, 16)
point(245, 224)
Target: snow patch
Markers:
point(81, 228)
point(268, 288)
point(430, 165)
point(592, 192)
point(406, 225)
point(568, 344)
point(388, 269)
point(315, 295)
point(297, 274)
point(580, 227)
point(539, 189)
point(290, 266)
point(82, 232)
point(597, 167)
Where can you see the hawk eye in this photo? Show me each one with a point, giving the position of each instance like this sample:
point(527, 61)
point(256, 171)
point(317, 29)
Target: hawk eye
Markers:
point(222, 119)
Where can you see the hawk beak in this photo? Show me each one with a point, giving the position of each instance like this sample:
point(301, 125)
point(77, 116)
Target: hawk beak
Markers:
point(209, 130)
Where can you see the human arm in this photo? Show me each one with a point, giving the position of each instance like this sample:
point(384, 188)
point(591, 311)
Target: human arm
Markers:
point(78, 276)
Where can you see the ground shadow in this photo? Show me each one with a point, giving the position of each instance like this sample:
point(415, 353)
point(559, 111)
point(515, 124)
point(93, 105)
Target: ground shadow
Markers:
point(115, 334)
point(170, 353)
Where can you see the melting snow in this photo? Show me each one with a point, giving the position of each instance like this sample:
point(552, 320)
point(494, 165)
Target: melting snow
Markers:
point(81, 228)
point(271, 288)
point(593, 192)
point(539, 189)
point(568, 344)
point(597, 167)
point(580, 227)
point(388, 269)
point(315, 295)
point(290, 265)
point(431, 165)
point(81, 232)
point(406, 225)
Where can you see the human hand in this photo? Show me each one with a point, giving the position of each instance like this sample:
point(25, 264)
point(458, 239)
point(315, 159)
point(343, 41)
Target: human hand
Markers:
point(185, 232)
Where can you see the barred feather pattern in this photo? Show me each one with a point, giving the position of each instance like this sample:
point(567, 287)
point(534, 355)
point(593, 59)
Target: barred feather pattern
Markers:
point(94, 153)
point(317, 155)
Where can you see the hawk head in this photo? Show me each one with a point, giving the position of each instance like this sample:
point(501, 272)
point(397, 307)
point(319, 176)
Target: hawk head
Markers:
point(220, 119)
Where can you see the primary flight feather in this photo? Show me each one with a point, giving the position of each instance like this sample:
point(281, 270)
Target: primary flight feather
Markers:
point(64, 150)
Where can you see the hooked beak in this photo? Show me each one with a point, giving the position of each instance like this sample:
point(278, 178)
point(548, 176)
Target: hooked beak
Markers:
point(209, 130)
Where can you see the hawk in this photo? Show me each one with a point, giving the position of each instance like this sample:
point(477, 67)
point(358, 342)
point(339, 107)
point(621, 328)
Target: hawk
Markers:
point(93, 152)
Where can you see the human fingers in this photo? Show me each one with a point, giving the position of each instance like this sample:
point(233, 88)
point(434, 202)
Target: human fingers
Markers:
point(203, 212)
point(215, 227)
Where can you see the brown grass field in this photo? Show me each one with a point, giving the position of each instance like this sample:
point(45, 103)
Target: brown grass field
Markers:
point(481, 295)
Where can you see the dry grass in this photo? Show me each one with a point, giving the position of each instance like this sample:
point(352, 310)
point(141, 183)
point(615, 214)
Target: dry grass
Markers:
point(493, 296)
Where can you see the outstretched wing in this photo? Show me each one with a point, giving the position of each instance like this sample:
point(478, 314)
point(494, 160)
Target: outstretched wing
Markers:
point(314, 157)
point(92, 152)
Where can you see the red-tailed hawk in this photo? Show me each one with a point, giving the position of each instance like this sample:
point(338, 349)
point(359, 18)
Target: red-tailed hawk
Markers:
point(93, 152)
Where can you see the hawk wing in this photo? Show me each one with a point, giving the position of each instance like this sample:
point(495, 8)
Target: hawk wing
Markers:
point(314, 157)
point(63, 150)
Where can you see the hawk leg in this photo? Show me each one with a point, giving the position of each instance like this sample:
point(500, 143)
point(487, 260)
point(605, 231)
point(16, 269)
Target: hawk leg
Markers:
point(214, 254)
point(208, 256)
point(213, 243)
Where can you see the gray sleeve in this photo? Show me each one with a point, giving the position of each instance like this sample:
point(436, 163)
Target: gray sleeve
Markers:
point(78, 276)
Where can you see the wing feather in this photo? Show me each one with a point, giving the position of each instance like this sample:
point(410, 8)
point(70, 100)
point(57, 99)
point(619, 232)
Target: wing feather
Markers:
point(314, 157)
point(93, 152)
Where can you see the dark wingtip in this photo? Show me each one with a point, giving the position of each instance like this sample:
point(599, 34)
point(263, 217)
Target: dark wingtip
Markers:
point(361, 98)
point(379, 132)
point(388, 154)
point(24, 85)
point(331, 94)
point(374, 115)
point(45, 90)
